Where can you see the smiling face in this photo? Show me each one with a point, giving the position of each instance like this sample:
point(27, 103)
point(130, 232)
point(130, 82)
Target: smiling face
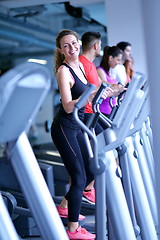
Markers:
point(113, 61)
point(70, 47)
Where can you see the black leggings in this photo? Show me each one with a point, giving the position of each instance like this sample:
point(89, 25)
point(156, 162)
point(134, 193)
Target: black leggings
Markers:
point(71, 145)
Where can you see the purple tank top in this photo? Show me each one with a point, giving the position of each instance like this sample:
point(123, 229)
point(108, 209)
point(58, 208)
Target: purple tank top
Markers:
point(105, 106)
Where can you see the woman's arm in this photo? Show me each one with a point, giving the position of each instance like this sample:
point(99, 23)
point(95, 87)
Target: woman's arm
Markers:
point(117, 88)
point(102, 76)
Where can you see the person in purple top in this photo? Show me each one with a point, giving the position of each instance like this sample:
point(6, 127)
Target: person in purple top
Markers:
point(111, 57)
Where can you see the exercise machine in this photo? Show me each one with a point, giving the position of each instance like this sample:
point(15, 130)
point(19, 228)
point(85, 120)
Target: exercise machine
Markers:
point(23, 90)
point(106, 171)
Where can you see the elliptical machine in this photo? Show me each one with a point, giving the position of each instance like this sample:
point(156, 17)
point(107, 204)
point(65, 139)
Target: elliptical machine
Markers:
point(23, 90)
point(109, 188)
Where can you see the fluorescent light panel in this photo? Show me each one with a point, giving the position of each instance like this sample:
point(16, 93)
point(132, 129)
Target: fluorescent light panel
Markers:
point(40, 61)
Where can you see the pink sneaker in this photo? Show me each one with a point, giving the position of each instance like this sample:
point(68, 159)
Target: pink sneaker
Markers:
point(63, 212)
point(89, 196)
point(80, 234)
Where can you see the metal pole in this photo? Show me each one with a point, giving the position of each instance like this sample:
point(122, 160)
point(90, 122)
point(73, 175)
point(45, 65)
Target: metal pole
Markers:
point(7, 230)
point(35, 189)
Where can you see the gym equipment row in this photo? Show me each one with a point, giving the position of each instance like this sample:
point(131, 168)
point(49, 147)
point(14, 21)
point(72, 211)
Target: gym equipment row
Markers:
point(126, 191)
point(125, 197)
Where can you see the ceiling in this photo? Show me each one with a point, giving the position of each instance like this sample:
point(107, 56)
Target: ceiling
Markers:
point(29, 27)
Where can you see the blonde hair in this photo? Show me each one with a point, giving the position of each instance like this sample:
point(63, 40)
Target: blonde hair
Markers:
point(59, 57)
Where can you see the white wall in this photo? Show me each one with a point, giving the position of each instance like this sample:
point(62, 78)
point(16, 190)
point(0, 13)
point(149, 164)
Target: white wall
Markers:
point(152, 36)
point(124, 23)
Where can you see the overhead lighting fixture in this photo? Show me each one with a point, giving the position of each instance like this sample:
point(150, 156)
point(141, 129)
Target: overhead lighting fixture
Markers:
point(40, 61)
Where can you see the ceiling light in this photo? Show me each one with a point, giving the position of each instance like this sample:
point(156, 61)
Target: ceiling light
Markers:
point(40, 61)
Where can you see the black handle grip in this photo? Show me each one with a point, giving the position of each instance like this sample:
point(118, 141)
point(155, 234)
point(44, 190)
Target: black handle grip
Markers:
point(120, 97)
point(84, 96)
point(97, 99)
